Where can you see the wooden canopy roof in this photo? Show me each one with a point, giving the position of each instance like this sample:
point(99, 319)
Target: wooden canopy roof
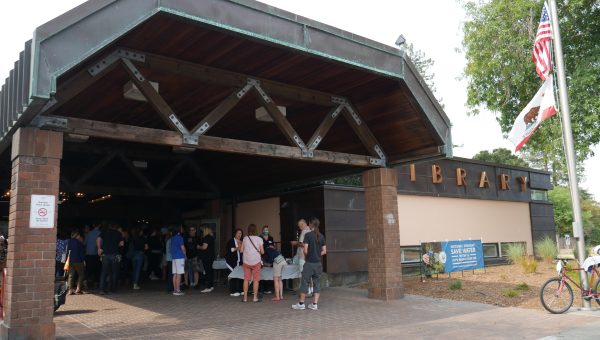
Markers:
point(216, 62)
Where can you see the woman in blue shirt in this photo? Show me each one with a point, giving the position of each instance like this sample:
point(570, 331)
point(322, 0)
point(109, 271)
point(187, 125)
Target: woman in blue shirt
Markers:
point(76, 252)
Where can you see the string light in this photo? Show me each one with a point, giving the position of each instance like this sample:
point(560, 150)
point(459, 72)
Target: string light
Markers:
point(100, 199)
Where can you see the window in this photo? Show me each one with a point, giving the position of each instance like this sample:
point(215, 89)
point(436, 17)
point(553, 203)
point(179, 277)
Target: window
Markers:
point(490, 250)
point(410, 254)
point(504, 246)
point(539, 195)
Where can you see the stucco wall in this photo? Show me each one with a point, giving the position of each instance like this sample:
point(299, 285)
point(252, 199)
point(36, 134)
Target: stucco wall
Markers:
point(259, 212)
point(424, 219)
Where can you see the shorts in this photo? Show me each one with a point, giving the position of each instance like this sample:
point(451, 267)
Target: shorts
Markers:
point(311, 271)
point(252, 272)
point(178, 266)
point(278, 268)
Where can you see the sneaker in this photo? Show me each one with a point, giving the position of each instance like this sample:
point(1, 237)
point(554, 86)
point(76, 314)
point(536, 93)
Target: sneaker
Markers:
point(235, 294)
point(192, 285)
point(310, 290)
point(268, 292)
point(299, 306)
point(154, 277)
point(136, 286)
point(178, 293)
point(313, 306)
point(207, 290)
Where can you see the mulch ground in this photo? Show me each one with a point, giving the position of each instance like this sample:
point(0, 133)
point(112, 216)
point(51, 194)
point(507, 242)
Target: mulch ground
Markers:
point(498, 285)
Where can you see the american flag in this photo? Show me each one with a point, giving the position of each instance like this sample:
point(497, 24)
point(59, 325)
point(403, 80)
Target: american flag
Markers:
point(541, 47)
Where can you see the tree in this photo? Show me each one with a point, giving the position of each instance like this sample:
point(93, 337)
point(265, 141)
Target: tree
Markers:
point(500, 156)
point(498, 40)
point(422, 64)
point(560, 197)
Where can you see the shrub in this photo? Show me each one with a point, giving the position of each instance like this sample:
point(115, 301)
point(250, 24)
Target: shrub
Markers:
point(455, 285)
point(515, 253)
point(511, 293)
point(529, 264)
point(522, 287)
point(546, 248)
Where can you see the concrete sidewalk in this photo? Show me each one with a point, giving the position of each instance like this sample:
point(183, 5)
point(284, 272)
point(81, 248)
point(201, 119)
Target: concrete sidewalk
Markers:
point(344, 313)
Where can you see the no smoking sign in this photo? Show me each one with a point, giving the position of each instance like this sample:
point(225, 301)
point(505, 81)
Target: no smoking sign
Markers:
point(42, 211)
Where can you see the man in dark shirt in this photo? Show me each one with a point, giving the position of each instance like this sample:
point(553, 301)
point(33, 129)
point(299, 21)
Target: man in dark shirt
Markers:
point(108, 244)
point(314, 249)
point(192, 268)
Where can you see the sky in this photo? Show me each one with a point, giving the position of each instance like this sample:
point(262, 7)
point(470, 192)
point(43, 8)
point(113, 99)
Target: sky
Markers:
point(432, 26)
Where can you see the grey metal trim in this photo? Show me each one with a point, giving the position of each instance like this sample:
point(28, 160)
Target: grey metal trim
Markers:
point(49, 122)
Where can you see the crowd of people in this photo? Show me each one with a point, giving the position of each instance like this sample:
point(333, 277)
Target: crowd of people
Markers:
point(104, 257)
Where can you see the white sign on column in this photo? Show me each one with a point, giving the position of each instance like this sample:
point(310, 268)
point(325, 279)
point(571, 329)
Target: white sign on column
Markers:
point(41, 214)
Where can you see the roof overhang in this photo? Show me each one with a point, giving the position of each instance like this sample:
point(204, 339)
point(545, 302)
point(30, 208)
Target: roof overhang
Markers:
point(379, 81)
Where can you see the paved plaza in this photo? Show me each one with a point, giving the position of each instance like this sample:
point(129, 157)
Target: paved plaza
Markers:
point(345, 313)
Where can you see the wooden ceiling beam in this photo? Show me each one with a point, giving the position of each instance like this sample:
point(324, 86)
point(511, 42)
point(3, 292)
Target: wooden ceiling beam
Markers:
point(233, 79)
point(141, 192)
point(172, 138)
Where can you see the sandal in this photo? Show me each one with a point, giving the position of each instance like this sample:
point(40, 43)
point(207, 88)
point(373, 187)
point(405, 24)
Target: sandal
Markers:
point(259, 300)
point(275, 299)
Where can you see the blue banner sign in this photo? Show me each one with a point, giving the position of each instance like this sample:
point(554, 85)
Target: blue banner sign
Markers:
point(461, 255)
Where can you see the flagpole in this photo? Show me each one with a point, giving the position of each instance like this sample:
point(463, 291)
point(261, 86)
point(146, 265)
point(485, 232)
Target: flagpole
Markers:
point(569, 147)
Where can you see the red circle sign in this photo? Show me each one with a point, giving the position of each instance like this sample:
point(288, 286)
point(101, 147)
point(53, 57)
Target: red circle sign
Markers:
point(42, 212)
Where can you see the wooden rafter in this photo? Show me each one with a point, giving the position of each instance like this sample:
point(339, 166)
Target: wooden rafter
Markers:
point(143, 192)
point(279, 119)
point(203, 176)
point(176, 169)
point(172, 138)
point(97, 167)
point(324, 127)
point(156, 101)
point(219, 112)
point(137, 173)
point(363, 132)
point(232, 79)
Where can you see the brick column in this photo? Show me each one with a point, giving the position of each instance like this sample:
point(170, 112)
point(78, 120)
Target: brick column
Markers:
point(383, 234)
point(29, 287)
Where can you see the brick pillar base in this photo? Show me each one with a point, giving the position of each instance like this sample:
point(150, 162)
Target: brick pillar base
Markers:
point(29, 288)
point(383, 234)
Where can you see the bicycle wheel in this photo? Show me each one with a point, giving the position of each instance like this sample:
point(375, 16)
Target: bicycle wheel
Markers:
point(596, 287)
point(556, 299)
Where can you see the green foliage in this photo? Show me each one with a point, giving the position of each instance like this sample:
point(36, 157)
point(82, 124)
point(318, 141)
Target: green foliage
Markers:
point(529, 264)
point(522, 287)
point(455, 285)
point(546, 248)
point(352, 180)
point(515, 252)
point(511, 293)
point(500, 156)
point(422, 64)
point(563, 213)
point(498, 40)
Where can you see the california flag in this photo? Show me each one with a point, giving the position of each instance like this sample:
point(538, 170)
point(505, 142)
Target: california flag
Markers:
point(540, 108)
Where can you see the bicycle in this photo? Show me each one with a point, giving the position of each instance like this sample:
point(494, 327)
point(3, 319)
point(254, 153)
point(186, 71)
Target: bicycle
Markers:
point(556, 294)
